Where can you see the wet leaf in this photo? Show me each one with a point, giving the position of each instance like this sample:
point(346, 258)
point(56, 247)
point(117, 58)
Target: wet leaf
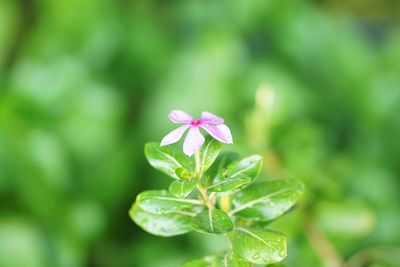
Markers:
point(229, 185)
point(163, 202)
point(249, 167)
point(184, 173)
point(237, 175)
point(209, 152)
point(212, 221)
point(266, 200)
point(171, 224)
point(166, 159)
point(219, 260)
point(182, 188)
point(260, 246)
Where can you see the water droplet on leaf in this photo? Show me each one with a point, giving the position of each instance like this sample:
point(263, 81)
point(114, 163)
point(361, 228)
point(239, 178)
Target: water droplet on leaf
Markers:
point(256, 256)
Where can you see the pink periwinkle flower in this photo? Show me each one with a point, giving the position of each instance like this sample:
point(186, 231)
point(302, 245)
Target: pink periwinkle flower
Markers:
point(212, 124)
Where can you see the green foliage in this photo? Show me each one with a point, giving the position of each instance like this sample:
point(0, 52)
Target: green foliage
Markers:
point(249, 167)
point(212, 221)
point(267, 200)
point(208, 210)
point(162, 202)
point(171, 224)
point(183, 173)
point(237, 175)
point(167, 159)
point(208, 153)
point(219, 260)
point(228, 185)
point(260, 246)
point(182, 188)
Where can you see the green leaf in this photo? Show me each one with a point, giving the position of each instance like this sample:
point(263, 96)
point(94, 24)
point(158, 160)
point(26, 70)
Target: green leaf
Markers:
point(163, 202)
point(213, 221)
point(266, 200)
point(172, 224)
point(229, 184)
point(182, 188)
point(238, 175)
point(223, 160)
point(184, 173)
point(218, 260)
point(247, 167)
point(208, 153)
point(166, 159)
point(259, 246)
point(233, 260)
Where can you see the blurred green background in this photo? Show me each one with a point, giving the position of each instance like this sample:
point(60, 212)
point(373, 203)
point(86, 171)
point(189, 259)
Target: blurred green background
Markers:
point(314, 86)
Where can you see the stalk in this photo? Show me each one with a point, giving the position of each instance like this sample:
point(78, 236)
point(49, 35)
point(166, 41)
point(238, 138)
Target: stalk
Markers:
point(199, 174)
point(225, 202)
point(198, 165)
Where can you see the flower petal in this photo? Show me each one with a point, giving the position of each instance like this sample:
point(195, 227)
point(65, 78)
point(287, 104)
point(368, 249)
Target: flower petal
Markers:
point(220, 132)
point(193, 141)
point(174, 136)
point(208, 117)
point(179, 116)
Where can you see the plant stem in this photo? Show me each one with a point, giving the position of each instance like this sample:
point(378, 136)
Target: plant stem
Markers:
point(225, 202)
point(203, 191)
point(198, 165)
point(205, 197)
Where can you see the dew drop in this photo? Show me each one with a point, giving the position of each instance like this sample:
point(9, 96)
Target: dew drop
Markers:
point(256, 256)
point(282, 253)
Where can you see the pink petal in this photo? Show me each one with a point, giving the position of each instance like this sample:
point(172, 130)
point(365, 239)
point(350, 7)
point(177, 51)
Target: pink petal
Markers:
point(208, 117)
point(193, 141)
point(174, 136)
point(220, 132)
point(179, 116)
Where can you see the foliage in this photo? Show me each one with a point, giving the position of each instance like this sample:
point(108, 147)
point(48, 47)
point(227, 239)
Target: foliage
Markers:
point(201, 200)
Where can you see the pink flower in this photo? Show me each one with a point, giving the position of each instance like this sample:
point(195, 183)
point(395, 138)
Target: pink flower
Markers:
point(213, 125)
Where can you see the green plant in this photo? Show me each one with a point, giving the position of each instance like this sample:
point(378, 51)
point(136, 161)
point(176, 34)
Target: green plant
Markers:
point(215, 193)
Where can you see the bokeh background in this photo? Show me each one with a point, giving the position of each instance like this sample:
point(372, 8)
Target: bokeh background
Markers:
point(313, 86)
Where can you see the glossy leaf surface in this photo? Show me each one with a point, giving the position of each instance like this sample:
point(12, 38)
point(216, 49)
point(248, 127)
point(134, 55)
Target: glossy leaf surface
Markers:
point(249, 167)
point(166, 159)
point(183, 173)
point(182, 188)
point(260, 246)
point(163, 202)
point(266, 200)
point(218, 260)
point(209, 153)
point(162, 225)
point(212, 221)
point(237, 175)
point(229, 184)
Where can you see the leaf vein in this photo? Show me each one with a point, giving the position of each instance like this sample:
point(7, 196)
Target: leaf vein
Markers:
point(210, 219)
point(256, 201)
point(192, 201)
point(255, 236)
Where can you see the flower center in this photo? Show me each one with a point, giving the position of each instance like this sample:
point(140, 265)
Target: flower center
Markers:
point(195, 122)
